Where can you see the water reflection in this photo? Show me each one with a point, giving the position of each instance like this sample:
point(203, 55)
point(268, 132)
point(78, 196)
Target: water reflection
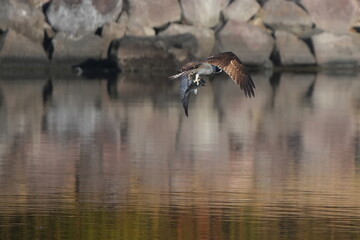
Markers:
point(117, 158)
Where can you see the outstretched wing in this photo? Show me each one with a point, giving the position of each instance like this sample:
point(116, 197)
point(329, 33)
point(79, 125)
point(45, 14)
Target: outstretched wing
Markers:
point(232, 65)
point(186, 69)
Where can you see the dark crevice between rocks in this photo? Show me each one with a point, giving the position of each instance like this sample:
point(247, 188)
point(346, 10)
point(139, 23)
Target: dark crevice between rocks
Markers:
point(161, 28)
point(48, 45)
point(275, 55)
point(221, 23)
point(98, 31)
point(261, 2)
point(47, 41)
point(125, 7)
point(2, 38)
point(356, 29)
point(45, 7)
point(182, 18)
point(300, 5)
point(310, 45)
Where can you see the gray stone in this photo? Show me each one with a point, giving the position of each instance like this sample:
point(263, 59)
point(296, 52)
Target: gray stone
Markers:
point(15, 47)
point(158, 52)
point(335, 16)
point(241, 10)
point(24, 17)
point(286, 15)
point(293, 50)
point(337, 50)
point(204, 36)
point(82, 16)
point(203, 12)
point(154, 13)
point(75, 50)
point(250, 43)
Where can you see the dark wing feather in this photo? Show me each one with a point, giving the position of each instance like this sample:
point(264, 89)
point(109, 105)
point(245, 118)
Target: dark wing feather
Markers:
point(232, 65)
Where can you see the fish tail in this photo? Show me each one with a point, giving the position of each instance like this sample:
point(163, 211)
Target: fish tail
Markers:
point(185, 102)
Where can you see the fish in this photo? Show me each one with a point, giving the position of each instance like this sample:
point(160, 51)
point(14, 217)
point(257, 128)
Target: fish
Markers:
point(188, 86)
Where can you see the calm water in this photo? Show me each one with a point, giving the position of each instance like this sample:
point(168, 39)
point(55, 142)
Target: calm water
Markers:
point(118, 159)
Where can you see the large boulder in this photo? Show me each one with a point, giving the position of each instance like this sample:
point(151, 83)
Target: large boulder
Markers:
point(241, 10)
point(111, 31)
point(293, 50)
point(152, 53)
point(251, 43)
point(73, 50)
point(154, 13)
point(203, 12)
point(138, 30)
point(336, 16)
point(82, 16)
point(337, 50)
point(204, 36)
point(16, 47)
point(24, 17)
point(286, 15)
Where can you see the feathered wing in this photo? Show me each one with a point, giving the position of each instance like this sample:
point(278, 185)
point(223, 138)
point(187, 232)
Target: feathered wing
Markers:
point(186, 70)
point(232, 65)
point(190, 66)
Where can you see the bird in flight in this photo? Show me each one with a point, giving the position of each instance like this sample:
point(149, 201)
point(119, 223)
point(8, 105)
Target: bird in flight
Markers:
point(190, 75)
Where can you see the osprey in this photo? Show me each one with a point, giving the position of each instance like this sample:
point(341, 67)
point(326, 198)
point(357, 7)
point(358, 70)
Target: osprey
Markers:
point(227, 62)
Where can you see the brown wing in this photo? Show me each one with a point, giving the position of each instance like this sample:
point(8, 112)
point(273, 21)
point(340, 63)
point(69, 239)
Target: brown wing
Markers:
point(190, 66)
point(232, 65)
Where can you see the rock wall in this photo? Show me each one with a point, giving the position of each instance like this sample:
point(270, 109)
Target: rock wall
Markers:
point(263, 32)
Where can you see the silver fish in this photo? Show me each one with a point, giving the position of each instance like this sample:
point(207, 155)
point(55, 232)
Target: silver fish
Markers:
point(188, 86)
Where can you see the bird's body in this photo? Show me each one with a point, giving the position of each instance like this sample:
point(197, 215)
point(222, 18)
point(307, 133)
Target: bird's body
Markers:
point(227, 62)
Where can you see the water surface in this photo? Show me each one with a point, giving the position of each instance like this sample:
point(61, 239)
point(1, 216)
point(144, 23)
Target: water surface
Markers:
point(118, 158)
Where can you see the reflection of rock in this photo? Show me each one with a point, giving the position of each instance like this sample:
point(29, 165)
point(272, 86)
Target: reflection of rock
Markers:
point(241, 10)
point(82, 16)
point(69, 48)
point(24, 17)
point(252, 44)
point(153, 52)
point(286, 15)
point(202, 12)
point(339, 50)
point(292, 49)
point(333, 15)
point(204, 36)
point(154, 13)
point(16, 47)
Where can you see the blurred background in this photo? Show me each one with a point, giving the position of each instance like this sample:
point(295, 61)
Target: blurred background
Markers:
point(262, 33)
point(94, 142)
